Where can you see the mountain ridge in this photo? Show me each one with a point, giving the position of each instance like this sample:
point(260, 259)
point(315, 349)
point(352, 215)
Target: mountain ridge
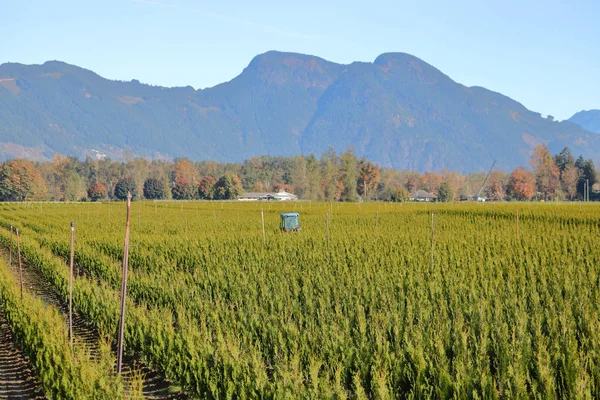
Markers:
point(397, 110)
point(587, 119)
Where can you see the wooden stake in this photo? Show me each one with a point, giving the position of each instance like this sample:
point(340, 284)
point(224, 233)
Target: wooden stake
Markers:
point(10, 248)
point(432, 239)
point(20, 266)
point(262, 216)
point(71, 283)
point(517, 224)
point(327, 229)
point(124, 287)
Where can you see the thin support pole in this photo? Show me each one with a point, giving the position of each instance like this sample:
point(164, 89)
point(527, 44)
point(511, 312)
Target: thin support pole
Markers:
point(124, 287)
point(262, 216)
point(71, 283)
point(432, 240)
point(517, 224)
point(377, 219)
point(327, 229)
point(20, 265)
point(10, 248)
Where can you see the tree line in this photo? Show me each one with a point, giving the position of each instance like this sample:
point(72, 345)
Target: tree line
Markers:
point(331, 177)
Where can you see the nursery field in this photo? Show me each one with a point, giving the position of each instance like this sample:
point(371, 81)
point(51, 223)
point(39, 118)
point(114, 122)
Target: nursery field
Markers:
point(369, 300)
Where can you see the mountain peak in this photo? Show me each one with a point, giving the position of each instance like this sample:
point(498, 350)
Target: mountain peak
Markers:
point(589, 120)
point(276, 67)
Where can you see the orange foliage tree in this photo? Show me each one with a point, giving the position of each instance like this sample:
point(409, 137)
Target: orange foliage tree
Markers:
point(547, 174)
point(521, 184)
point(20, 180)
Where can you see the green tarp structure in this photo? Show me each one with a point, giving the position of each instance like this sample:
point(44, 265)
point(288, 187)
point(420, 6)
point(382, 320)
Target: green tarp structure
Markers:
point(290, 222)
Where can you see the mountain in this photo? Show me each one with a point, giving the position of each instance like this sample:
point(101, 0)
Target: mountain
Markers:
point(398, 111)
point(589, 120)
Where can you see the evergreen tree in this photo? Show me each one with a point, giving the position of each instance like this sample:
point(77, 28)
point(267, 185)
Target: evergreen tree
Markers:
point(124, 185)
point(154, 189)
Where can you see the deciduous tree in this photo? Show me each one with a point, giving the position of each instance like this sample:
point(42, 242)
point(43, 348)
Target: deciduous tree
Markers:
point(228, 187)
point(546, 172)
point(521, 184)
point(20, 180)
point(183, 190)
point(96, 192)
point(206, 189)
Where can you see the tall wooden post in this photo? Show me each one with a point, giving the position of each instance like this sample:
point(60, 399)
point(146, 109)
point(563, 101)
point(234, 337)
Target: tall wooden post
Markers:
point(71, 283)
point(20, 265)
point(124, 287)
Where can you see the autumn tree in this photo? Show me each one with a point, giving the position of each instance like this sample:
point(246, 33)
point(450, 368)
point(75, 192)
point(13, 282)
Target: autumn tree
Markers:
point(431, 181)
point(496, 185)
point(228, 187)
point(185, 171)
point(547, 174)
point(569, 179)
point(206, 188)
point(96, 192)
point(183, 190)
point(368, 178)
point(123, 186)
point(20, 180)
point(154, 189)
point(521, 184)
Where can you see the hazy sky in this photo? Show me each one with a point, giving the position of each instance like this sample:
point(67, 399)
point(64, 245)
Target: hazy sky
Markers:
point(545, 54)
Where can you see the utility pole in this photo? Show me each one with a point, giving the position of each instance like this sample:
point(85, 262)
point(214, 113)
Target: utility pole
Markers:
point(587, 184)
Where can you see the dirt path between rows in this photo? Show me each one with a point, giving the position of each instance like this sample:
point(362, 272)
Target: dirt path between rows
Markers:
point(17, 379)
point(154, 385)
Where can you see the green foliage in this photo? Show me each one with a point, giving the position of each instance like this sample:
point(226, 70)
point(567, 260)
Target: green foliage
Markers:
point(445, 193)
point(125, 185)
point(365, 314)
point(154, 189)
point(395, 194)
point(41, 333)
point(184, 190)
point(228, 187)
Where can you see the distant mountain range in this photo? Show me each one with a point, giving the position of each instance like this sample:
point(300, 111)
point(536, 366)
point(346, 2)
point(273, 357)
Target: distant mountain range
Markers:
point(398, 111)
point(589, 120)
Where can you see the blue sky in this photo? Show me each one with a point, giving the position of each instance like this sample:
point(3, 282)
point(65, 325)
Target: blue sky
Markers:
point(545, 54)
